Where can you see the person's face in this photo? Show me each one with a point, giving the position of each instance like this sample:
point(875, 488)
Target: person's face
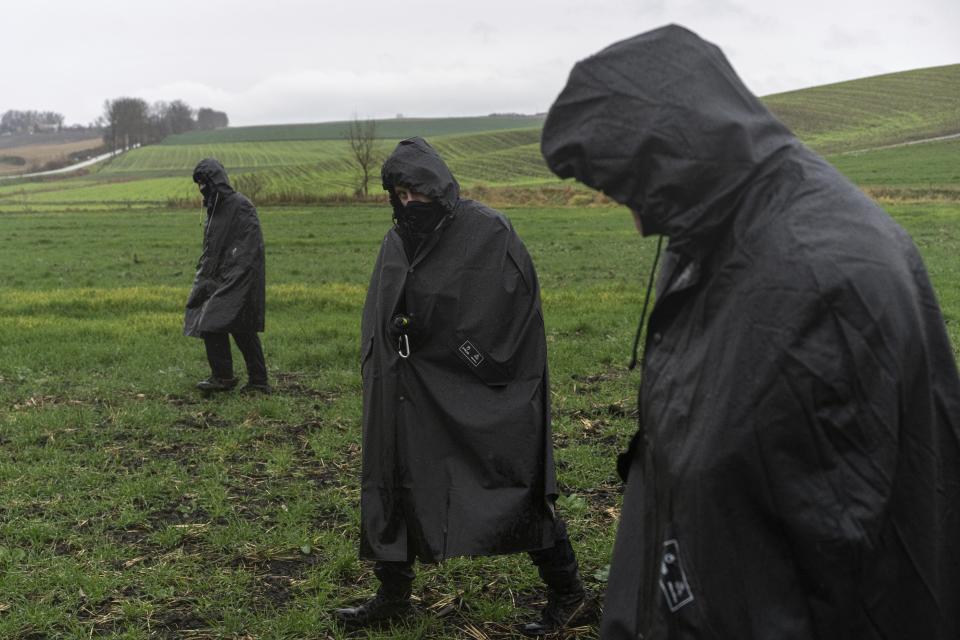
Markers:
point(405, 195)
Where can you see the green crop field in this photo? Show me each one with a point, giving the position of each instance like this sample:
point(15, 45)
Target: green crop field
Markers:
point(871, 112)
point(134, 508)
point(498, 157)
point(159, 176)
point(278, 172)
point(131, 507)
point(927, 170)
point(394, 129)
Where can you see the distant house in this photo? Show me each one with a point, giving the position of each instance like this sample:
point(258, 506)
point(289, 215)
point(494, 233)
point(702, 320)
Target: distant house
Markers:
point(43, 127)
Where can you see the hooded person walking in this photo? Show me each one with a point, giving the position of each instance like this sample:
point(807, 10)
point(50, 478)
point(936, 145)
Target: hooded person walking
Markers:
point(229, 289)
point(796, 472)
point(457, 450)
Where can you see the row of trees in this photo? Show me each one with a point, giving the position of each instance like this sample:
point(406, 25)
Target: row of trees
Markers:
point(13, 121)
point(128, 122)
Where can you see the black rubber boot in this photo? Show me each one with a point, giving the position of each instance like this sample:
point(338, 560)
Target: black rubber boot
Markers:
point(380, 608)
point(392, 599)
point(566, 598)
point(561, 612)
point(213, 384)
point(252, 389)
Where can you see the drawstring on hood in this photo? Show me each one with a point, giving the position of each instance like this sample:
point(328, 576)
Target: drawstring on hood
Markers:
point(646, 302)
point(661, 123)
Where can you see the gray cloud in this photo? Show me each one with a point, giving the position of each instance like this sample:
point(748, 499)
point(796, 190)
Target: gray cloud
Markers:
point(298, 60)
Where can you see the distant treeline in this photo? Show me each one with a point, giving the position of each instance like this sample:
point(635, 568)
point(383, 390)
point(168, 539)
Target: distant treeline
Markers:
point(125, 123)
point(129, 122)
point(15, 122)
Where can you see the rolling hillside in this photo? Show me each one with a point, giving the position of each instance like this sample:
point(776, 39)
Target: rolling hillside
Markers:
point(876, 111)
point(36, 153)
point(498, 157)
point(395, 129)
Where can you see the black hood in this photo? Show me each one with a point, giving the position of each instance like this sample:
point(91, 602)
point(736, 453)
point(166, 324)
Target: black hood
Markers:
point(417, 165)
point(211, 172)
point(662, 124)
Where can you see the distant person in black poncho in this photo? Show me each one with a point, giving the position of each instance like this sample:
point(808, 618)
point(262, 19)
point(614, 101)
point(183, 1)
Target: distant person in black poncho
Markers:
point(457, 451)
point(796, 472)
point(229, 289)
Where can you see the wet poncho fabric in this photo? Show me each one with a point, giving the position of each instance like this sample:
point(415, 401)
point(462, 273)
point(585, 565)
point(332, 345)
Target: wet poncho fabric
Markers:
point(457, 457)
point(796, 473)
point(228, 294)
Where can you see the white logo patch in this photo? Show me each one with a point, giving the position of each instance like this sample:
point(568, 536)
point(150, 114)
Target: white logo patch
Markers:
point(673, 581)
point(470, 353)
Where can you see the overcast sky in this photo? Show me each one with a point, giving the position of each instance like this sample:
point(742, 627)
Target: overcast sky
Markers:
point(283, 61)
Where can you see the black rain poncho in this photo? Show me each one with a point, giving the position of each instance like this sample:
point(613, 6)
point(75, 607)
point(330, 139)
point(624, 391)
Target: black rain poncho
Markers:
point(796, 473)
point(228, 293)
point(457, 456)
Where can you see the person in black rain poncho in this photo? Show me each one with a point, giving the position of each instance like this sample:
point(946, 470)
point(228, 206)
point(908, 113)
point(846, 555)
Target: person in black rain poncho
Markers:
point(796, 472)
point(229, 290)
point(457, 451)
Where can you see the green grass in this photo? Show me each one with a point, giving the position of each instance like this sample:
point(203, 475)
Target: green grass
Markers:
point(928, 170)
point(876, 111)
point(395, 128)
point(240, 157)
point(502, 168)
point(130, 507)
point(279, 172)
point(497, 158)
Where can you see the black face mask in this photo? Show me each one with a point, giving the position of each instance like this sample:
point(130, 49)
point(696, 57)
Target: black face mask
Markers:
point(416, 221)
point(418, 218)
point(208, 194)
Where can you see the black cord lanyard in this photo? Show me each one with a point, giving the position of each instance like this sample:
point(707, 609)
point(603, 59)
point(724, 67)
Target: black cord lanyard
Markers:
point(646, 302)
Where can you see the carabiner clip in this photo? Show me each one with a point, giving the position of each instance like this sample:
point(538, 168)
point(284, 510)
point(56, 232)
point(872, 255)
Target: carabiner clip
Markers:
point(403, 346)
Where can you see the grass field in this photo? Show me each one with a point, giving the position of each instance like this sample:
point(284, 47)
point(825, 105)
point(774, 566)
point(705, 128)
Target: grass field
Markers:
point(133, 508)
point(394, 129)
point(498, 157)
point(501, 168)
point(280, 172)
point(870, 112)
point(926, 171)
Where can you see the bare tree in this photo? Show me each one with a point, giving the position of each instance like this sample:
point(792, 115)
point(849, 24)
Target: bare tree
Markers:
point(362, 136)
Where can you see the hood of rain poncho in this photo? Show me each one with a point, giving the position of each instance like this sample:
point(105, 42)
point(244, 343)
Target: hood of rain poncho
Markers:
point(416, 165)
point(796, 470)
point(210, 171)
point(662, 124)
